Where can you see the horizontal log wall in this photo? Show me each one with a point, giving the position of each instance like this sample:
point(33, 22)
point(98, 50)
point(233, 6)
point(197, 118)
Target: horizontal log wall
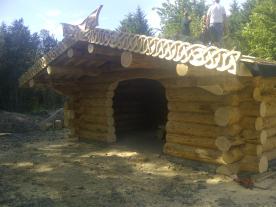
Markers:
point(191, 128)
point(236, 129)
point(258, 120)
point(93, 106)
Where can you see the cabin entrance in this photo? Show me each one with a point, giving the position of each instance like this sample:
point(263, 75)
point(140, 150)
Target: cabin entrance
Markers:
point(140, 114)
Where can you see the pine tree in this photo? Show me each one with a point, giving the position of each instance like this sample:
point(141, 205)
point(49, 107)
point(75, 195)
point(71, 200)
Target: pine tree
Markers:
point(136, 23)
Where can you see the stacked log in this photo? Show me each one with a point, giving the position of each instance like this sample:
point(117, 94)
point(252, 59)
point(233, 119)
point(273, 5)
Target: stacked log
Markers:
point(192, 128)
point(259, 128)
point(95, 121)
point(236, 129)
point(69, 116)
point(265, 124)
point(220, 126)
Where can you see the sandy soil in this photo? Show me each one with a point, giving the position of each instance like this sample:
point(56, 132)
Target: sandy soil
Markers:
point(46, 169)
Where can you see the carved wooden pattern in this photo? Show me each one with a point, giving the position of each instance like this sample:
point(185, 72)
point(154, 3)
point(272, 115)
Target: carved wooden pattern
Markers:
point(177, 51)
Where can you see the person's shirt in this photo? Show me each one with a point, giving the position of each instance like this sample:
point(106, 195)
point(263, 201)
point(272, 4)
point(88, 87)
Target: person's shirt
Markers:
point(216, 13)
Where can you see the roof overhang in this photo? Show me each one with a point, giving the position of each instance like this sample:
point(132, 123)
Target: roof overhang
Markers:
point(178, 52)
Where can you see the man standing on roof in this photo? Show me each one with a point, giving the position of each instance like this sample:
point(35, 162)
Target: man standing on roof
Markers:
point(216, 17)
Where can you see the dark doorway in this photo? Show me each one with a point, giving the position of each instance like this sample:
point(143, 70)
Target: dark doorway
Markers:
point(140, 114)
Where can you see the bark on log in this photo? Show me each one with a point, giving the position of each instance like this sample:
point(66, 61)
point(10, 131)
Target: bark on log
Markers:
point(201, 130)
point(193, 153)
point(192, 117)
point(265, 122)
point(195, 141)
point(225, 143)
point(227, 116)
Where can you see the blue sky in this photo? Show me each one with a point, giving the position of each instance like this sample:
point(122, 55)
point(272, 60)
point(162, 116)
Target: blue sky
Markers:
point(48, 14)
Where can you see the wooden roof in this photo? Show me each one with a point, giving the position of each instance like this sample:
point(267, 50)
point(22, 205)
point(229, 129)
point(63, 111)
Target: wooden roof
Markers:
point(165, 49)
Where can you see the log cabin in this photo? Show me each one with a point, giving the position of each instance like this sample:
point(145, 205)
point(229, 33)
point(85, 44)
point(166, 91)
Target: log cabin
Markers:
point(216, 106)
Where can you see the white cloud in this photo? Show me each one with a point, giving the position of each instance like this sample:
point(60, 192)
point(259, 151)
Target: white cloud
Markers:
point(53, 13)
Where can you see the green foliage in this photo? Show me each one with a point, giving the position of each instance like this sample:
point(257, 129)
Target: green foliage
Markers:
point(237, 20)
point(136, 23)
point(47, 41)
point(234, 27)
point(247, 8)
point(18, 51)
point(260, 32)
point(172, 15)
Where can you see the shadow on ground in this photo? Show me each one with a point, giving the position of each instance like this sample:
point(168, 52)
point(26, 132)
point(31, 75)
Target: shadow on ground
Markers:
point(46, 169)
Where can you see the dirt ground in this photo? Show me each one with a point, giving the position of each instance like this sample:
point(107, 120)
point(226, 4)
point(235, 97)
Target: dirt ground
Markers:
point(47, 169)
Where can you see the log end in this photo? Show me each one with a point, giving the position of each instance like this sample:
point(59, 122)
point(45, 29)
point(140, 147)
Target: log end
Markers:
point(70, 53)
point(257, 94)
point(226, 115)
point(263, 137)
point(259, 124)
point(223, 143)
point(90, 48)
point(49, 70)
point(126, 59)
point(182, 69)
point(31, 83)
point(263, 109)
point(263, 164)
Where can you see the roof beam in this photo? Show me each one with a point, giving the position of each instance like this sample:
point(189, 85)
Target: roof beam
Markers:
point(133, 60)
point(59, 72)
